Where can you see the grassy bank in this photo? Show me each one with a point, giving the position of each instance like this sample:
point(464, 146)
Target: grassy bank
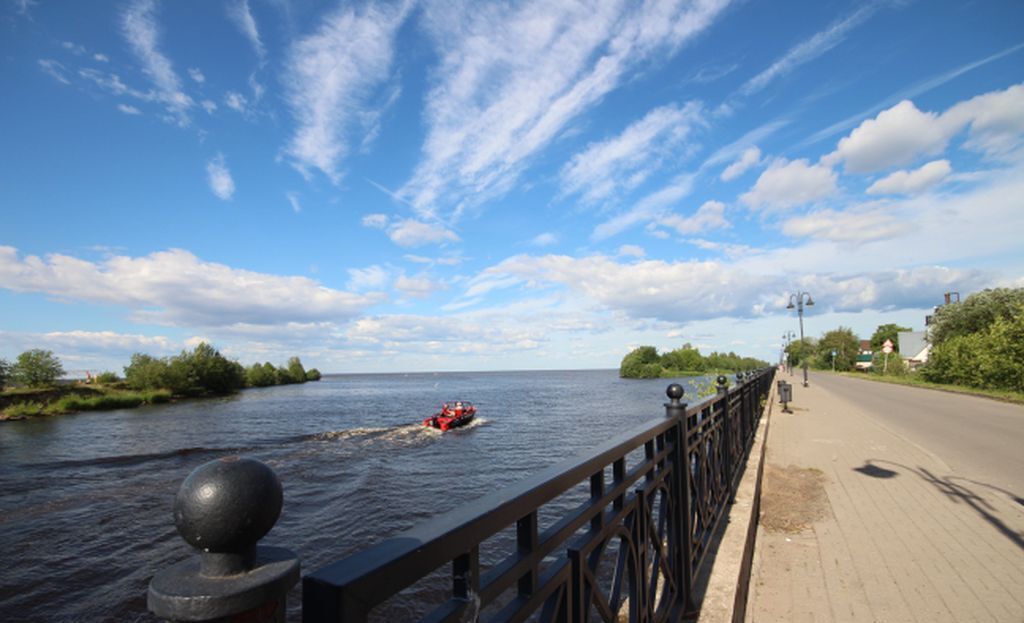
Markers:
point(22, 403)
point(915, 381)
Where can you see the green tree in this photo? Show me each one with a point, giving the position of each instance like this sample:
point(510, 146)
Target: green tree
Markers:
point(845, 345)
point(683, 360)
point(37, 368)
point(296, 371)
point(207, 371)
point(5, 373)
point(642, 362)
point(975, 314)
point(887, 332)
point(313, 374)
point(798, 351)
point(258, 375)
point(146, 372)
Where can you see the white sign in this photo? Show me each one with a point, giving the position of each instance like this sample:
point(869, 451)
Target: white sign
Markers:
point(887, 347)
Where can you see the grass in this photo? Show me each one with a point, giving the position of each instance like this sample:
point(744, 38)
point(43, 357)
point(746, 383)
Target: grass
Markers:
point(101, 399)
point(915, 381)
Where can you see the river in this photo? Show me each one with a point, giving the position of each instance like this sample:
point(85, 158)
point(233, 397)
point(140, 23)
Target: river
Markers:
point(85, 500)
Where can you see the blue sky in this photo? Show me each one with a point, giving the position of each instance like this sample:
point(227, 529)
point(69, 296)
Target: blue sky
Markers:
point(445, 185)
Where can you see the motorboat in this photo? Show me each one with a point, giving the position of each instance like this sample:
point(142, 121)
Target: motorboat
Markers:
point(452, 415)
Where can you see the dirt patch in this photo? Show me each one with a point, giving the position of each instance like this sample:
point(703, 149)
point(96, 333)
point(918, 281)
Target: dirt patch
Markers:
point(792, 498)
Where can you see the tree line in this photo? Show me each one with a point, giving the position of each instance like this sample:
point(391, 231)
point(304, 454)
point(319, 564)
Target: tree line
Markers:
point(201, 371)
point(644, 362)
point(978, 342)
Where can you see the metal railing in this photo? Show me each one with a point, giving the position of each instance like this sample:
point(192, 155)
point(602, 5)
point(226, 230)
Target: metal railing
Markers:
point(622, 530)
point(652, 521)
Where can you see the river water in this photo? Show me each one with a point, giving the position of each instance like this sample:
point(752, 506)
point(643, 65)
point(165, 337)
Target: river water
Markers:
point(85, 500)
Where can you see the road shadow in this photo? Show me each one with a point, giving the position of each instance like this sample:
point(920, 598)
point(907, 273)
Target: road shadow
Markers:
point(955, 491)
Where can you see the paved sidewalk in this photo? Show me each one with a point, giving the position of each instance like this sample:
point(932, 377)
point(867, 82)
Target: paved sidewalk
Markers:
point(860, 524)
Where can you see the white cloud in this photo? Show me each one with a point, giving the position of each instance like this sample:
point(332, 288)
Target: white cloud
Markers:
point(178, 288)
point(240, 14)
point(649, 208)
point(74, 48)
point(625, 161)
point(88, 341)
point(54, 69)
point(631, 250)
point(412, 233)
point(235, 101)
point(786, 184)
point(666, 291)
point(912, 182)
point(22, 7)
point(750, 157)
point(810, 49)
point(196, 74)
point(897, 136)
point(370, 278)
point(377, 221)
point(293, 201)
point(711, 215)
point(419, 286)
point(901, 134)
point(209, 106)
point(996, 120)
point(854, 225)
point(913, 91)
point(139, 27)
point(512, 77)
point(329, 77)
point(219, 178)
point(544, 240)
point(129, 110)
point(101, 58)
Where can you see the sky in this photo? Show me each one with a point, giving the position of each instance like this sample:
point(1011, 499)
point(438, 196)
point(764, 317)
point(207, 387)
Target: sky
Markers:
point(443, 185)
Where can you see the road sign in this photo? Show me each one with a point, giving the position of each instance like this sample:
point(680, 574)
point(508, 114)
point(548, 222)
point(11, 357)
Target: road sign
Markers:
point(887, 347)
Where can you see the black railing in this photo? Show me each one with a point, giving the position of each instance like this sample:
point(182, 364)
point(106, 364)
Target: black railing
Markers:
point(635, 542)
point(625, 529)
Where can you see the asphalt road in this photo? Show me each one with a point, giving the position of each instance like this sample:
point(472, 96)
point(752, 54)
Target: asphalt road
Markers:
point(978, 438)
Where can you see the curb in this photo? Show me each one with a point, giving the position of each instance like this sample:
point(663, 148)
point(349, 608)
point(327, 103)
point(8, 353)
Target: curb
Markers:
point(725, 598)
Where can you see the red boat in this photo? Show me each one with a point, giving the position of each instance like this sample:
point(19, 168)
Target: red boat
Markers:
point(452, 415)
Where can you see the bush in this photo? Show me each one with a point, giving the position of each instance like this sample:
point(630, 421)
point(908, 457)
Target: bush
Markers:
point(312, 374)
point(107, 378)
point(895, 366)
point(23, 409)
point(5, 373)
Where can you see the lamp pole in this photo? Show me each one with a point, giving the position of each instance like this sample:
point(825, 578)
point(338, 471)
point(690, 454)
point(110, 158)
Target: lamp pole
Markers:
point(788, 336)
point(797, 300)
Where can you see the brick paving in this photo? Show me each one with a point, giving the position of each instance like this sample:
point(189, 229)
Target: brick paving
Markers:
point(903, 538)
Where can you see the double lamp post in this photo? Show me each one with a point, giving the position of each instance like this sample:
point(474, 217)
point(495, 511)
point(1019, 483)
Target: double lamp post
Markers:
point(797, 300)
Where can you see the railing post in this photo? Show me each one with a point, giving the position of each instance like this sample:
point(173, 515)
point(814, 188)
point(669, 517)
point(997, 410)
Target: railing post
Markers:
point(222, 509)
point(730, 453)
point(675, 408)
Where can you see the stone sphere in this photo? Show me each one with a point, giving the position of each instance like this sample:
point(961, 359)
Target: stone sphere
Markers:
point(674, 391)
point(227, 505)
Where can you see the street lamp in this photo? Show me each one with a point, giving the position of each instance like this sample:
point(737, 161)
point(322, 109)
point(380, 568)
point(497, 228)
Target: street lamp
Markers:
point(788, 336)
point(797, 300)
